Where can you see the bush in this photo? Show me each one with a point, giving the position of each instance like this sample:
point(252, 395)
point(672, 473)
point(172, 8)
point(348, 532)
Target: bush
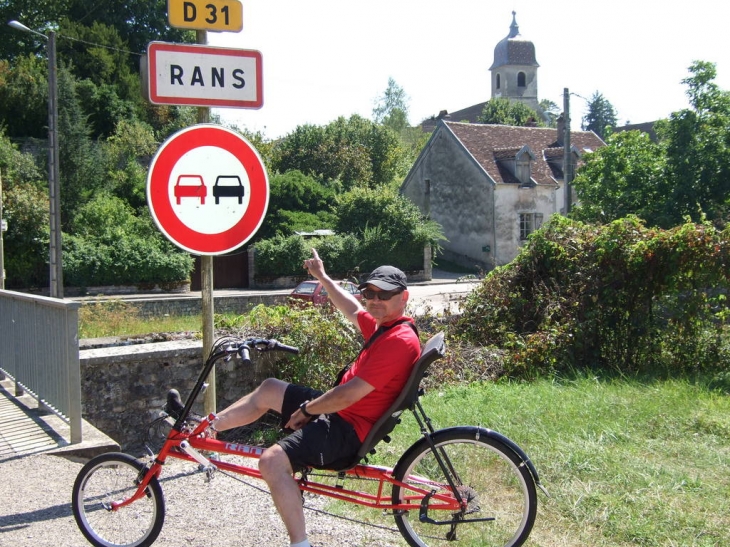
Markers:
point(619, 297)
point(27, 239)
point(326, 340)
point(112, 246)
point(281, 256)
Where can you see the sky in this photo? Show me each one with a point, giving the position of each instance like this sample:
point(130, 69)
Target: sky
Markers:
point(323, 59)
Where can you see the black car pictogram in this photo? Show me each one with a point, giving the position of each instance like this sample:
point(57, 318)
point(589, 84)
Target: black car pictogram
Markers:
point(228, 186)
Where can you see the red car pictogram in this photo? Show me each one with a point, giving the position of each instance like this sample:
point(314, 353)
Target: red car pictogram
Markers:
point(190, 186)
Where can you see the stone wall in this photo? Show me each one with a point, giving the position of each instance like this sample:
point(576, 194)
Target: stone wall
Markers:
point(124, 388)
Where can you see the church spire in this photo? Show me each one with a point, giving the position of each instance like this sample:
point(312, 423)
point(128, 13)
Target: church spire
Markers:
point(514, 28)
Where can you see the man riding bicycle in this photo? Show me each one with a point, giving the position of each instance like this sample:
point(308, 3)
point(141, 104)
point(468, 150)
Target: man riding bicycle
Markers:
point(328, 428)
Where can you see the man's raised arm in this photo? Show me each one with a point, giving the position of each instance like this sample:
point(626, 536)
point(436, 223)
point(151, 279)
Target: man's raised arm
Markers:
point(342, 299)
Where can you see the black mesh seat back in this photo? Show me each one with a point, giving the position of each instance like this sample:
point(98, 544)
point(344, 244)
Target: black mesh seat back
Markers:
point(433, 350)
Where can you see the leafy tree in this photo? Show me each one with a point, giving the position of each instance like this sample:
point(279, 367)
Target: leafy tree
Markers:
point(697, 142)
point(391, 108)
point(388, 222)
point(25, 244)
point(80, 162)
point(265, 147)
point(138, 22)
point(551, 110)
point(295, 191)
point(627, 176)
point(126, 154)
point(505, 112)
point(24, 97)
point(107, 86)
point(38, 15)
point(25, 208)
point(687, 175)
point(16, 167)
point(601, 116)
point(297, 203)
point(350, 152)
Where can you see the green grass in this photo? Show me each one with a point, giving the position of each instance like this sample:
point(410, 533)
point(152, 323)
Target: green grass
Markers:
point(625, 463)
point(115, 317)
point(130, 326)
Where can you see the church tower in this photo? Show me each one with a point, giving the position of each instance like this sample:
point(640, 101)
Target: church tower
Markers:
point(514, 71)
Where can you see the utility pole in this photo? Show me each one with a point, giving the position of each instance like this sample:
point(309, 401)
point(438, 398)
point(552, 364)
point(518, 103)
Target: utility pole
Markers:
point(567, 159)
point(54, 179)
point(206, 282)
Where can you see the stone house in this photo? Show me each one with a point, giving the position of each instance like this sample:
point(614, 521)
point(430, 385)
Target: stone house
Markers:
point(490, 186)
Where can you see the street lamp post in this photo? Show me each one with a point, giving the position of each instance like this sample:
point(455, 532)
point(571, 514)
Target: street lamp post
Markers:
point(54, 182)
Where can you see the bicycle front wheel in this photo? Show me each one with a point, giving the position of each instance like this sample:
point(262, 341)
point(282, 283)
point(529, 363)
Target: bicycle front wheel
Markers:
point(111, 478)
point(498, 489)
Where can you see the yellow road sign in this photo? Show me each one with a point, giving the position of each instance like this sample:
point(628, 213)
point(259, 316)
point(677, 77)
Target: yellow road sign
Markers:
point(220, 15)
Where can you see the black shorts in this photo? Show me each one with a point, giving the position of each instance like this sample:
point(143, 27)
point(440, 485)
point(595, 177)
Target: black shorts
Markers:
point(327, 442)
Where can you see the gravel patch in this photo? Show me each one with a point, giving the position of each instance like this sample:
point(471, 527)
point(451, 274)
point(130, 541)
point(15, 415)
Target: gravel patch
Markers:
point(36, 510)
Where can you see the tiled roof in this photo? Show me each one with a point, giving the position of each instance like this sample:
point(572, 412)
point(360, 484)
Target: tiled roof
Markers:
point(469, 114)
point(514, 51)
point(482, 140)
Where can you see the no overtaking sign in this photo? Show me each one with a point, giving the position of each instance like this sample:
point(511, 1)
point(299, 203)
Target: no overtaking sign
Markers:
point(207, 190)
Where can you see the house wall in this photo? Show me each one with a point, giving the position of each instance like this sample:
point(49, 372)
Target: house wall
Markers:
point(460, 199)
point(510, 202)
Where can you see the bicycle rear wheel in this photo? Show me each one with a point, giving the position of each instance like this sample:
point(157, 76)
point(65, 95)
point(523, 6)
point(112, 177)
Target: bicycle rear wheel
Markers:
point(113, 477)
point(500, 490)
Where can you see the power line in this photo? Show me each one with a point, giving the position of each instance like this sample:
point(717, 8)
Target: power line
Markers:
point(99, 45)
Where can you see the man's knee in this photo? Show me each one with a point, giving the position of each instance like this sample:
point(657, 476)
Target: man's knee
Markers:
point(269, 394)
point(273, 462)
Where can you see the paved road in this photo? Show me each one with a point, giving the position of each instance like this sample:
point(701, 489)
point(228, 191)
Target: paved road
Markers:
point(438, 298)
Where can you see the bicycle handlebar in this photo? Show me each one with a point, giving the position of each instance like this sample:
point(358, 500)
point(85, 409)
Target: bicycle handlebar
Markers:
point(244, 347)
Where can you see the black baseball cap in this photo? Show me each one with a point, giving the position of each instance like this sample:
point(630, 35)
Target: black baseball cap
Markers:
point(387, 278)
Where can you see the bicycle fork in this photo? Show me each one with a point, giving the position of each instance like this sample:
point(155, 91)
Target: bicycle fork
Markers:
point(452, 478)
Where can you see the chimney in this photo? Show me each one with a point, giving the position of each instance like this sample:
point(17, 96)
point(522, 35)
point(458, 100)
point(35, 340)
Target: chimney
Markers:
point(561, 130)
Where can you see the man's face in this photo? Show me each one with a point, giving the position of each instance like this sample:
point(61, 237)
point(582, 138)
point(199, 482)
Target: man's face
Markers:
point(384, 310)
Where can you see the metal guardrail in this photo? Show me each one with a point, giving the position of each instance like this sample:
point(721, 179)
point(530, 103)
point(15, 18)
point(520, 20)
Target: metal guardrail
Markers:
point(39, 351)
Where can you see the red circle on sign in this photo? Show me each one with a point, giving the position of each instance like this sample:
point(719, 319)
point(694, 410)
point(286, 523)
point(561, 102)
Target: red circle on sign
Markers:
point(158, 190)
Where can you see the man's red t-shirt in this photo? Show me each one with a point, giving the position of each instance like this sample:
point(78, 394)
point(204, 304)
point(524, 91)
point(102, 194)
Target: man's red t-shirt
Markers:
point(385, 365)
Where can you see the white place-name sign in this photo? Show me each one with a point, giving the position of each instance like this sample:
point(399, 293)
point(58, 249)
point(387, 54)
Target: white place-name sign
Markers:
point(197, 75)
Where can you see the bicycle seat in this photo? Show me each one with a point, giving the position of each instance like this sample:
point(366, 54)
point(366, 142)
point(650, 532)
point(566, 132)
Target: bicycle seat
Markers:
point(433, 350)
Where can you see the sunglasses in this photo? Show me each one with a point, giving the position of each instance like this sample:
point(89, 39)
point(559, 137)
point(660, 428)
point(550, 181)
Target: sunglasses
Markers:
point(381, 295)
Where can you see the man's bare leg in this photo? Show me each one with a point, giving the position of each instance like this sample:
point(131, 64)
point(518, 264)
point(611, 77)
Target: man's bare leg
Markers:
point(249, 408)
point(276, 470)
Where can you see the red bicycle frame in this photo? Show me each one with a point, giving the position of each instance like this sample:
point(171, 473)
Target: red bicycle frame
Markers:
point(185, 445)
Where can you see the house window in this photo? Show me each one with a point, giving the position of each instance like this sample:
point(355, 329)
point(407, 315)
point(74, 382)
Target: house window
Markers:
point(523, 170)
point(529, 222)
point(499, 81)
point(521, 79)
